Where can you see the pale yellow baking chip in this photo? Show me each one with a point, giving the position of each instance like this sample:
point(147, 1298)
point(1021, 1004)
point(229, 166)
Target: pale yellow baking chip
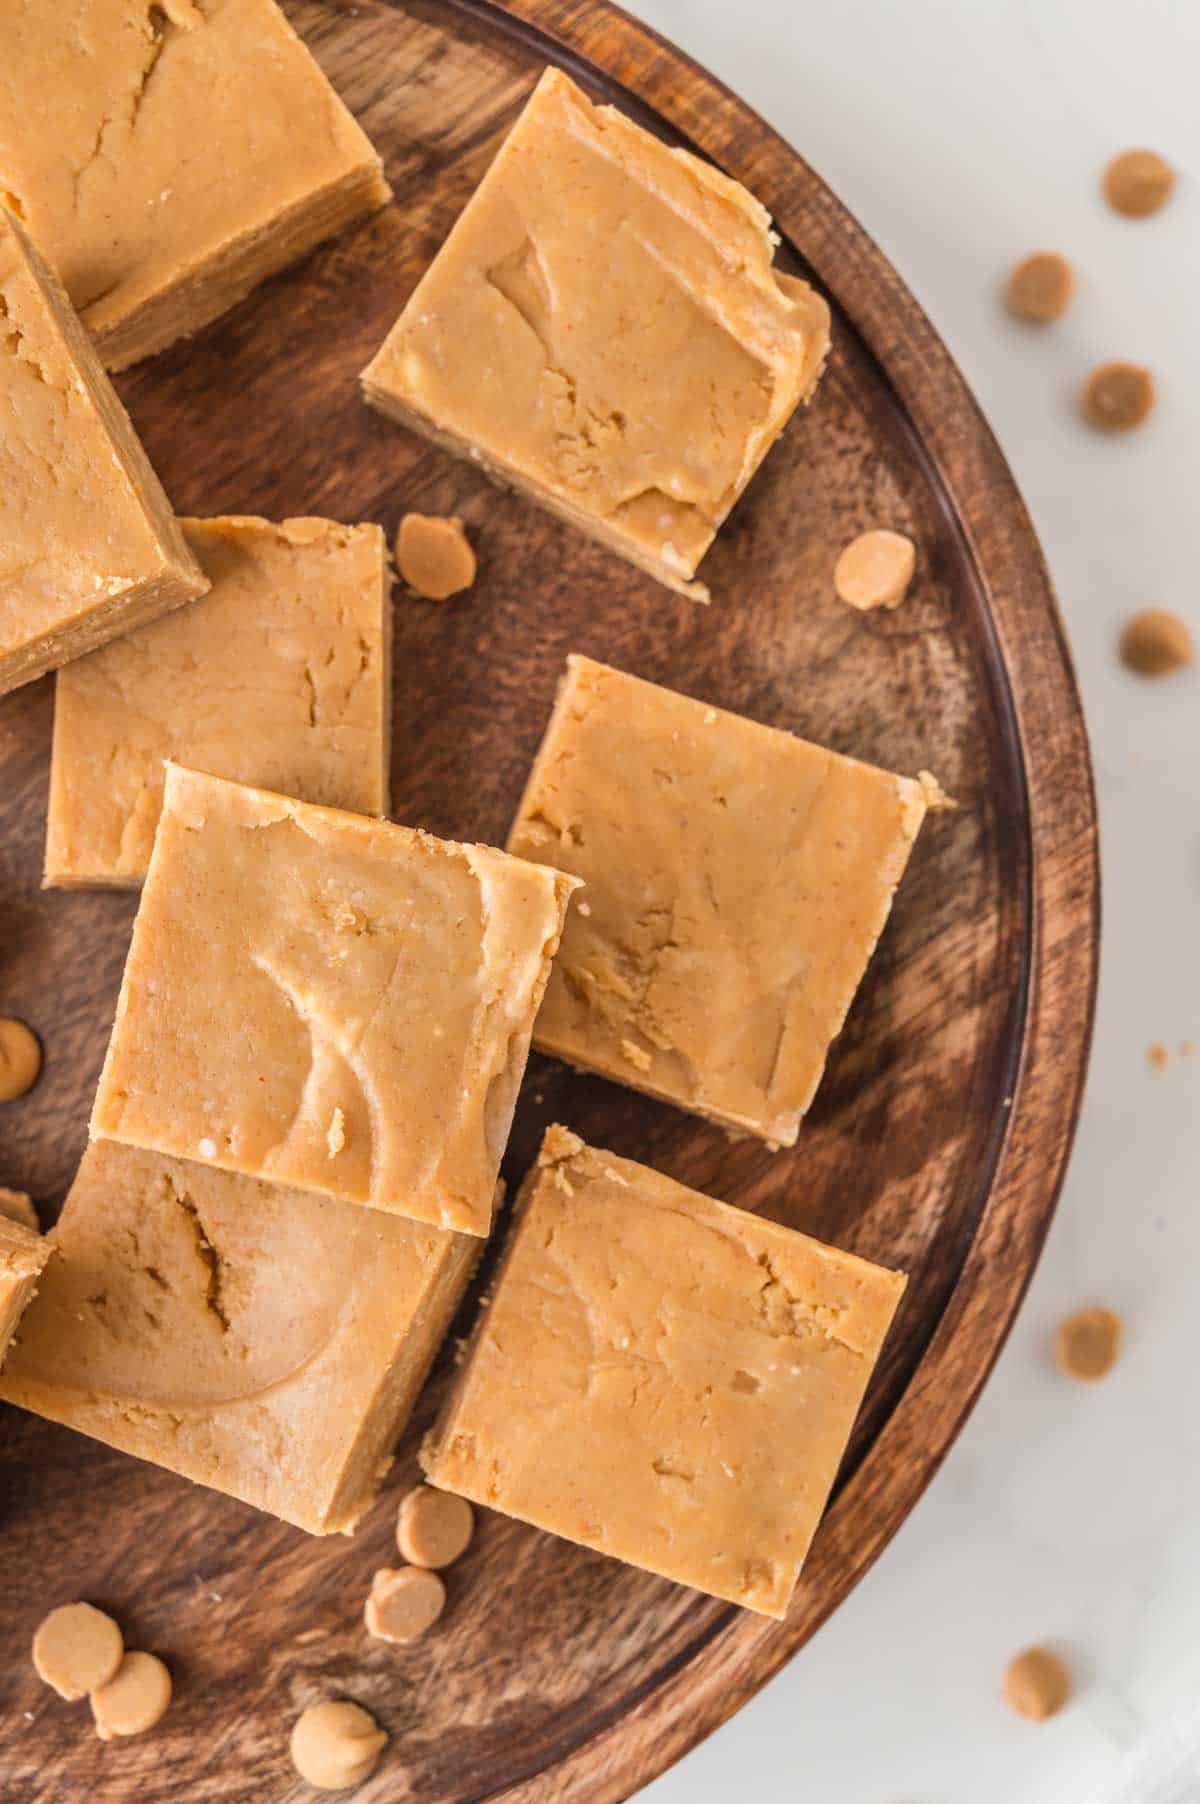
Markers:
point(434, 555)
point(1036, 1684)
point(403, 1603)
point(134, 1700)
point(434, 1527)
point(336, 1745)
point(76, 1649)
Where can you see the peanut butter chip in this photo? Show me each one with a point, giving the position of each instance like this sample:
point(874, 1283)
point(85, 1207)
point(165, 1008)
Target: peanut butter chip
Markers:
point(1088, 1343)
point(1138, 183)
point(76, 1649)
point(1040, 287)
point(1036, 1684)
point(403, 1604)
point(433, 555)
point(18, 1206)
point(875, 569)
point(1158, 1055)
point(20, 1058)
point(336, 1745)
point(1156, 643)
point(134, 1700)
point(1118, 396)
point(434, 1528)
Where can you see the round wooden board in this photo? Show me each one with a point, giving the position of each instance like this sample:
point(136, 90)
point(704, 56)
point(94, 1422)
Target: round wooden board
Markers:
point(939, 1137)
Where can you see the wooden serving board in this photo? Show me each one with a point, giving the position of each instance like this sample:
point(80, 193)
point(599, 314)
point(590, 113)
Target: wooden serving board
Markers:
point(939, 1137)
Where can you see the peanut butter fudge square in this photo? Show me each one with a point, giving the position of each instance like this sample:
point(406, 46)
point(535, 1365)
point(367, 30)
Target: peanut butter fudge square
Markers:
point(737, 881)
point(261, 1340)
point(604, 330)
point(169, 154)
point(279, 677)
point(89, 547)
point(328, 1001)
point(662, 1377)
point(23, 1255)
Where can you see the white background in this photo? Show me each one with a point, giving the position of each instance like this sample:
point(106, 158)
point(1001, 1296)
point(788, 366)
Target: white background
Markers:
point(964, 133)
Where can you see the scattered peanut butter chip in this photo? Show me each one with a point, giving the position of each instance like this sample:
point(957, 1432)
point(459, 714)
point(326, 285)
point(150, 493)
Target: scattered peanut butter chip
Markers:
point(1156, 643)
point(17, 1205)
point(404, 1603)
point(20, 1058)
point(875, 569)
point(434, 556)
point(1118, 396)
point(134, 1700)
point(336, 1745)
point(1138, 183)
point(1040, 287)
point(1036, 1684)
point(1158, 1055)
point(76, 1649)
point(1087, 1344)
point(434, 1527)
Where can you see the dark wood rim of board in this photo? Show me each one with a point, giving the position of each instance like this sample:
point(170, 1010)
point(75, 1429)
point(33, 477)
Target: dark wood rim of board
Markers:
point(713, 1680)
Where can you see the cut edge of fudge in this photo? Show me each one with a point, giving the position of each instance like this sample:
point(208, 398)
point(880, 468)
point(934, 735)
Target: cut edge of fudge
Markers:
point(794, 381)
point(180, 579)
point(559, 1148)
point(134, 1427)
point(23, 1256)
point(505, 477)
point(915, 798)
point(57, 873)
point(397, 1397)
point(217, 282)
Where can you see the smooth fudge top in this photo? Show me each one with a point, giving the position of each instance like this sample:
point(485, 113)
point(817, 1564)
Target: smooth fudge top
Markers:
point(244, 1334)
point(604, 321)
point(280, 676)
point(328, 1001)
point(84, 523)
point(737, 880)
point(663, 1377)
point(141, 138)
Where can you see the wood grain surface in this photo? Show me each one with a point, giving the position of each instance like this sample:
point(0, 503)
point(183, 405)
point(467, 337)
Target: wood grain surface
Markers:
point(939, 1137)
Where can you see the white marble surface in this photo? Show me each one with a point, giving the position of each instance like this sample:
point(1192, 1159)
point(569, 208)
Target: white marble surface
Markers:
point(964, 133)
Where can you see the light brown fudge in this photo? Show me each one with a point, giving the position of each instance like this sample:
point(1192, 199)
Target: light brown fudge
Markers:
point(23, 1256)
point(251, 1337)
point(324, 1000)
point(280, 676)
point(167, 155)
point(603, 329)
point(662, 1377)
point(737, 880)
point(89, 547)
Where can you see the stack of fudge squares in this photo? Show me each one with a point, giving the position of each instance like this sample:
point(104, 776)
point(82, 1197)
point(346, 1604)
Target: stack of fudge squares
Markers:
point(325, 1016)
